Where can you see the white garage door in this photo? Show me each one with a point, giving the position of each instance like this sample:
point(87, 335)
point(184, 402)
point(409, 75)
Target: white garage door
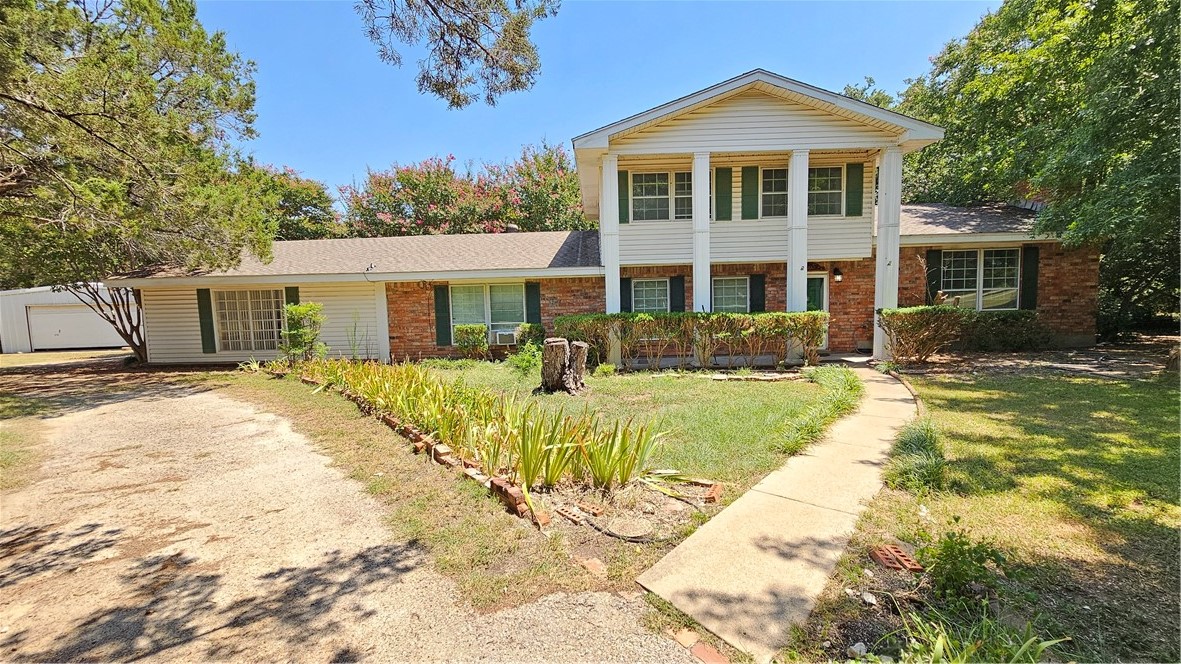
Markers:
point(70, 326)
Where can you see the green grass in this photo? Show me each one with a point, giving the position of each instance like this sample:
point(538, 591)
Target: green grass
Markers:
point(1076, 480)
point(729, 431)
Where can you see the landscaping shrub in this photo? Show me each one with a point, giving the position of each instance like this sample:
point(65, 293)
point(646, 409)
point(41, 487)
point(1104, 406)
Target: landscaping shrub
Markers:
point(958, 565)
point(842, 392)
point(503, 435)
point(526, 360)
point(688, 335)
point(1003, 331)
point(472, 341)
point(532, 333)
point(914, 334)
point(604, 370)
point(301, 340)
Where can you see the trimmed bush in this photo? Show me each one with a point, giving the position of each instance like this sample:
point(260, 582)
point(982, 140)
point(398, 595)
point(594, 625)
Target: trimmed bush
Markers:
point(1003, 331)
point(530, 333)
point(688, 336)
point(914, 334)
point(472, 341)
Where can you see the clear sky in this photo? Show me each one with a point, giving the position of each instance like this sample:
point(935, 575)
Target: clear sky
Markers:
point(328, 107)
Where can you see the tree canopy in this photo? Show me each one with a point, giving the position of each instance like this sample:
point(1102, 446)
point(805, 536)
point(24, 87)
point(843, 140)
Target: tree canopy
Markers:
point(475, 48)
point(537, 192)
point(303, 208)
point(117, 123)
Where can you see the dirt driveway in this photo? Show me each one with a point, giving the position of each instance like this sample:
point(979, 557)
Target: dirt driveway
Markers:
point(173, 523)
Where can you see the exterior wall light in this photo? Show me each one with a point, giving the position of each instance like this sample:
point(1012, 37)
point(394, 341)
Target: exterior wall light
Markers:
point(837, 276)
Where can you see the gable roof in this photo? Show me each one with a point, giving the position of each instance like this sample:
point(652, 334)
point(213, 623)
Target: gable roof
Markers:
point(943, 219)
point(550, 253)
point(912, 130)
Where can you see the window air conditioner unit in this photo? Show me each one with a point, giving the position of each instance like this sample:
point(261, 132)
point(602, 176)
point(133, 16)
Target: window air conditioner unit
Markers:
point(505, 338)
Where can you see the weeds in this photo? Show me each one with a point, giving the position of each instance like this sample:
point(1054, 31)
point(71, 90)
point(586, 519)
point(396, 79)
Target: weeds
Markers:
point(976, 637)
point(918, 464)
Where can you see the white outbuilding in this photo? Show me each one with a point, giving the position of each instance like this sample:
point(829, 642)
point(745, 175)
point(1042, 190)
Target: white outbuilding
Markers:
point(41, 319)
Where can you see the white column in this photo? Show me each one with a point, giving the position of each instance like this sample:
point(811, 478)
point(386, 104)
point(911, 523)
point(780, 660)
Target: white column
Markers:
point(609, 228)
point(383, 322)
point(797, 239)
point(702, 286)
point(885, 287)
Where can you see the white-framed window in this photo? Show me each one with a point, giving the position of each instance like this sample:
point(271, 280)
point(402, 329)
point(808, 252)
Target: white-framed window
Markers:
point(825, 191)
point(662, 196)
point(249, 320)
point(731, 294)
point(773, 192)
point(501, 307)
point(649, 295)
point(982, 279)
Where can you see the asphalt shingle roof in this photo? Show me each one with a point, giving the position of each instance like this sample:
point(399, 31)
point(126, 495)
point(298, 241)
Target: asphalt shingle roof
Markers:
point(941, 219)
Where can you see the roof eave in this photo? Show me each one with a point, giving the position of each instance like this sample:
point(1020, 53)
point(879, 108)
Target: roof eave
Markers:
point(372, 277)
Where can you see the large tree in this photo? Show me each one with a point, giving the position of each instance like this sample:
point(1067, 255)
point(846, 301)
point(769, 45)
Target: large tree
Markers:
point(302, 206)
point(1074, 105)
point(117, 122)
point(475, 48)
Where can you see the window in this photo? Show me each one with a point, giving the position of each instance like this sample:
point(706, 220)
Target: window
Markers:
point(731, 294)
point(774, 198)
point(985, 279)
point(649, 295)
point(824, 191)
point(499, 306)
point(249, 319)
point(682, 195)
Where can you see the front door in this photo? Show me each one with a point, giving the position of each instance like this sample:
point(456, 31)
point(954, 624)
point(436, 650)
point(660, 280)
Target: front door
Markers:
point(818, 296)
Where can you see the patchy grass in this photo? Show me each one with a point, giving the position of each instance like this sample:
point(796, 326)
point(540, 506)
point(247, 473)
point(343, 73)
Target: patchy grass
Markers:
point(1076, 480)
point(58, 357)
point(730, 431)
point(20, 436)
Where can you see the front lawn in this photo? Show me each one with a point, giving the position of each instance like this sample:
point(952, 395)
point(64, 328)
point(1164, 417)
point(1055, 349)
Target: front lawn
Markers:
point(729, 431)
point(1076, 481)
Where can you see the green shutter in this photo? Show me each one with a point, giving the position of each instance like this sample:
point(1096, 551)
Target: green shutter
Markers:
point(750, 192)
point(758, 292)
point(291, 295)
point(1029, 261)
point(533, 303)
point(442, 316)
point(624, 196)
point(723, 194)
point(205, 316)
point(676, 294)
point(934, 273)
point(625, 294)
point(854, 189)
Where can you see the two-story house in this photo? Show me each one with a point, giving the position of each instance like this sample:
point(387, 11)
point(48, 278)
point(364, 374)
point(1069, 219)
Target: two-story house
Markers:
point(760, 193)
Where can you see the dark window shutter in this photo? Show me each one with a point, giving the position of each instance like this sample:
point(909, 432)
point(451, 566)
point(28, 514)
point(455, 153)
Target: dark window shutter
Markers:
point(442, 316)
point(676, 294)
point(624, 197)
point(291, 295)
point(625, 294)
point(854, 189)
point(533, 303)
point(934, 273)
point(750, 192)
point(205, 316)
point(1029, 259)
point(758, 292)
point(723, 194)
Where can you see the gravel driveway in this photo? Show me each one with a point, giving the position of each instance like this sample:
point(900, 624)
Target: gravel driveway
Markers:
point(189, 526)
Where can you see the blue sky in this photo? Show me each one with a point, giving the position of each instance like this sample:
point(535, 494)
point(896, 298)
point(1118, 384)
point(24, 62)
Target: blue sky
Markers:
point(328, 107)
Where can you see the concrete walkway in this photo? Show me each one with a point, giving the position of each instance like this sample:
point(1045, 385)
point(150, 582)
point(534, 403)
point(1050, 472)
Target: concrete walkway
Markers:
point(758, 566)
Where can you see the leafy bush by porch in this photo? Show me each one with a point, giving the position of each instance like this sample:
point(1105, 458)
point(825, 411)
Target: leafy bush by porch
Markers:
point(914, 334)
point(472, 341)
point(1003, 331)
point(691, 338)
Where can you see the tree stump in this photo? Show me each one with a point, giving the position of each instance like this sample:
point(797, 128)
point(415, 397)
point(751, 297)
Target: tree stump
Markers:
point(1173, 362)
point(563, 366)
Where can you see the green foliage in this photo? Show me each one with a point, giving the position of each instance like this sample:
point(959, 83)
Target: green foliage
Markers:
point(474, 49)
point(533, 333)
point(505, 436)
point(303, 207)
point(918, 464)
point(935, 637)
point(540, 191)
point(472, 341)
point(842, 393)
point(1003, 331)
point(301, 340)
point(689, 335)
point(604, 370)
point(960, 566)
point(526, 361)
point(120, 122)
point(914, 334)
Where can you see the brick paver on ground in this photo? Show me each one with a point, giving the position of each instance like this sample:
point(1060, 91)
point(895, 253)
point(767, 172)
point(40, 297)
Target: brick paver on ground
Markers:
point(757, 567)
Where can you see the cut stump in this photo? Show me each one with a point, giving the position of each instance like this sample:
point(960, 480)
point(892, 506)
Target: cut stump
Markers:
point(563, 366)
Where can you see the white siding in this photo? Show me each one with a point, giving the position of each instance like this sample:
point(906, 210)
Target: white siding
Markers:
point(174, 333)
point(751, 121)
point(656, 243)
point(14, 322)
point(748, 241)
